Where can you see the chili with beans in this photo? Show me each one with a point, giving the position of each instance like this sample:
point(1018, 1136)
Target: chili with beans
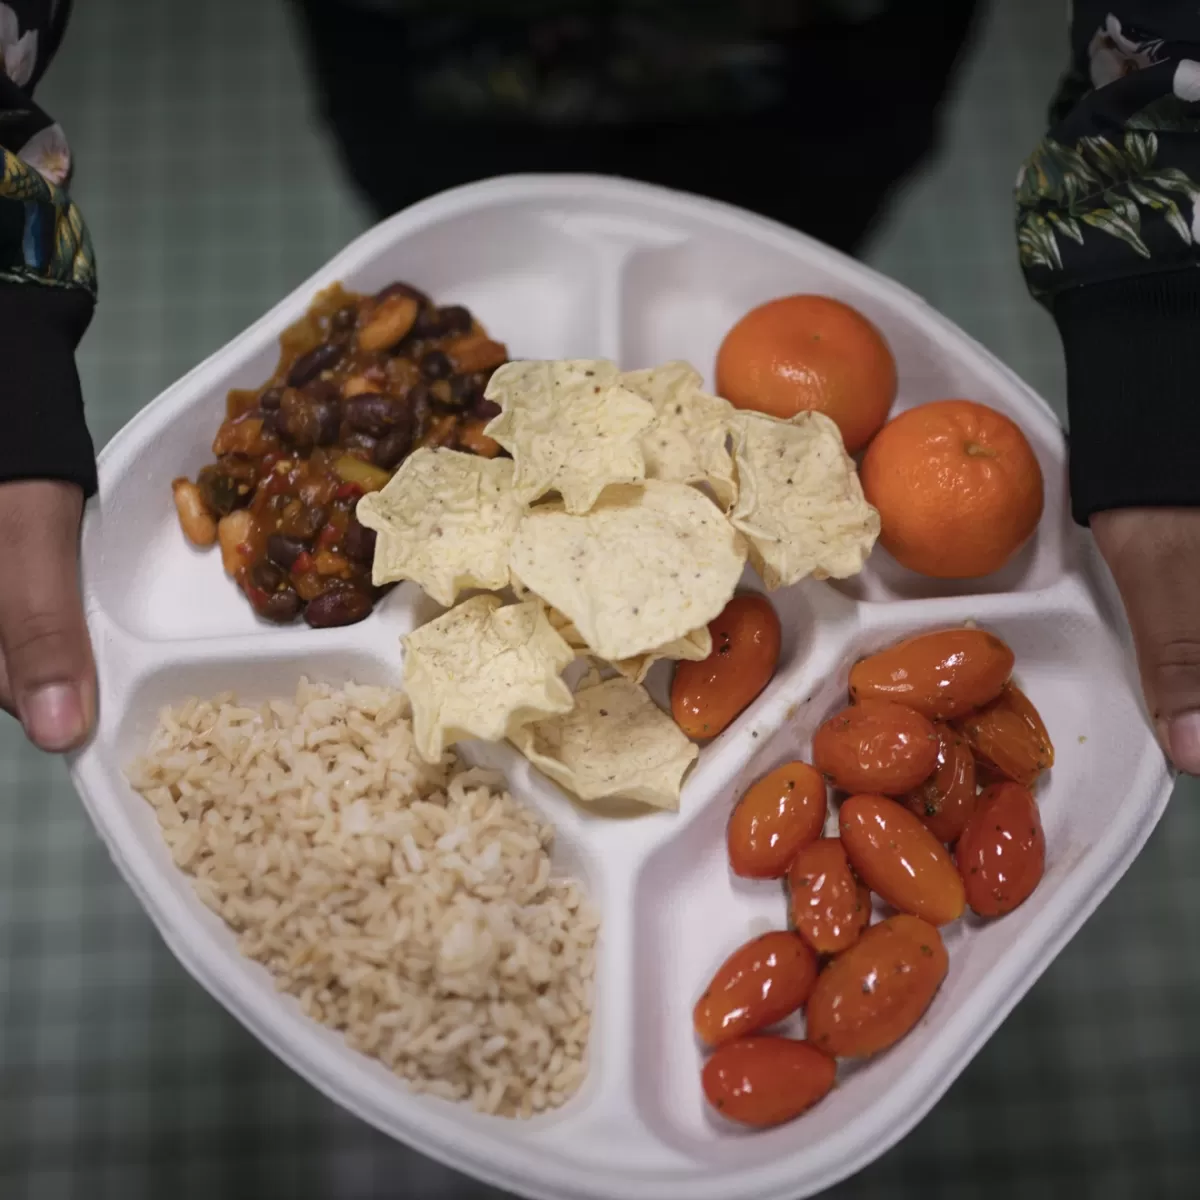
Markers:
point(361, 382)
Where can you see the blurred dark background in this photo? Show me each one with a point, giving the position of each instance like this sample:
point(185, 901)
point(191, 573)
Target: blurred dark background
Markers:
point(211, 190)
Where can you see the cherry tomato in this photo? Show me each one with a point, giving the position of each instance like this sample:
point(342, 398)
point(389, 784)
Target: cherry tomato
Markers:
point(896, 856)
point(1002, 852)
point(706, 696)
point(941, 675)
point(761, 1081)
point(829, 906)
point(876, 746)
point(783, 811)
point(868, 998)
point(1008, 736)
point(945, 801)
point(757, 985)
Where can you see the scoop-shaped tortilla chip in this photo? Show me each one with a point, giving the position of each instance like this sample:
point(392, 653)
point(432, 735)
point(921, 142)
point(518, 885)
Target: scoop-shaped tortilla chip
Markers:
point(445, 521)
point(615, 743)
point(688, 442)
point(649, 564)
point(799, 503)
point(483, 670)
point(570, 427)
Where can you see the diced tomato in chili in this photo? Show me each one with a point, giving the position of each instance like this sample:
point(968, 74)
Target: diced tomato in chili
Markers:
point(348, 491)
point(303, 564)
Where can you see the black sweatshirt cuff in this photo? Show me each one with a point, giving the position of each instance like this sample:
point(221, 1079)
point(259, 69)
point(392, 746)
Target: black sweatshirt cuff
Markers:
point(43, 434)
point(1133, 391)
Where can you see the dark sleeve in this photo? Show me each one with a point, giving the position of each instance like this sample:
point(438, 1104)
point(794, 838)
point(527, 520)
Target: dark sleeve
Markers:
point(47, 272)
point(1108, 226)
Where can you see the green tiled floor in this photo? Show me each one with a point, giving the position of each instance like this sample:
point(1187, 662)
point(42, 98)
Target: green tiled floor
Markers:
point(211, 193)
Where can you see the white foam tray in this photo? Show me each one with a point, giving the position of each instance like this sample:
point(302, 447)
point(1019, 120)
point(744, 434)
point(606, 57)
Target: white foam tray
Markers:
point(584, 267)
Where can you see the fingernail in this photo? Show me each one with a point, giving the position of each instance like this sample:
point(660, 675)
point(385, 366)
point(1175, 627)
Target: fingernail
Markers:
point(53, 717)
point(1184, 737)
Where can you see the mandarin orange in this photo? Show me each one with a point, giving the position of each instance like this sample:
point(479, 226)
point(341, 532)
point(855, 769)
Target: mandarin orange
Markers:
point(958, 488)
point(801, 353)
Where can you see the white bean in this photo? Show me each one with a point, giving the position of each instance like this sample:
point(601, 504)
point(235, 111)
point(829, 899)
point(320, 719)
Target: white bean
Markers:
point(233, 531)
point(194, 518)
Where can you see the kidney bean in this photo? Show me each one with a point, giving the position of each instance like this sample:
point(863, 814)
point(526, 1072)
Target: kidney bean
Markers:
point(372, 413)
point(391, 449)
point(337, 606)
point(485, 409)
point(464, 391)
point(358, 542)
point(453, 319)
point(269, 400)
point(267, 575)
point(284, 550)
point(360, 441)
point(428, 323)
point(435, 365)
point(420, 404)
point(328, 419)
point(403, 289)
point(308, 420)
point(320, 358)
point(281, 606)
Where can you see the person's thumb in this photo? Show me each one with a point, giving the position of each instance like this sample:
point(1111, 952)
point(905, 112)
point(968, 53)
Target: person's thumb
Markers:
point(1154, 555)
point(47, 675)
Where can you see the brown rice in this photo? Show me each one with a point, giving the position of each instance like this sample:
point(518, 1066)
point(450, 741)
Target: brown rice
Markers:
point(409, 906)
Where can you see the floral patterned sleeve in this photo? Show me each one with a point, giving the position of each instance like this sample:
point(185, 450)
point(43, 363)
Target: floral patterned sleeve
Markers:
point(47, 273)
point(1108, 227)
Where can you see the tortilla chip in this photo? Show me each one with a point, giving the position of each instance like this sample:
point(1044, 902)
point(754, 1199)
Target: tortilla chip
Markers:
point(570, 427)
point(694, 647)
point(688, 442)
point(445, 521)
point(649, 564)
point(800, 502)
point(483, 670)
point(614, 744)
point(565, 628)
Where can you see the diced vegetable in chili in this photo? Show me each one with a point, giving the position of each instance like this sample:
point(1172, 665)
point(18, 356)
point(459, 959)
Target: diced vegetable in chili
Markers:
point(361, 382)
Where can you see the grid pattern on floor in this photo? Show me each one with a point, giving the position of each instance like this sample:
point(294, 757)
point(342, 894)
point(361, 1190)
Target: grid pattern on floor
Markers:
point(211, 192)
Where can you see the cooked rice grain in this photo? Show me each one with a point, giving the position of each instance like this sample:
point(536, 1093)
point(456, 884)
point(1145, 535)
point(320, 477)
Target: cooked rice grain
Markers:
point(409, 906)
